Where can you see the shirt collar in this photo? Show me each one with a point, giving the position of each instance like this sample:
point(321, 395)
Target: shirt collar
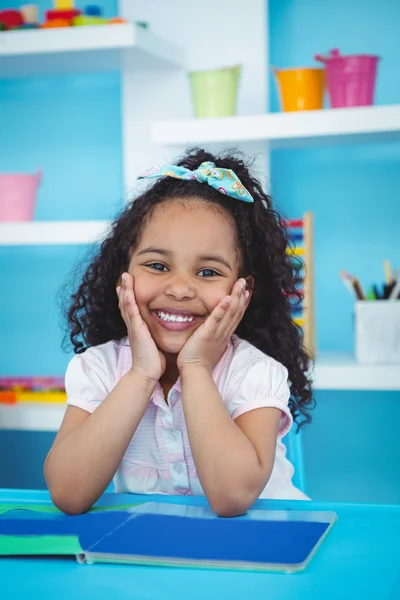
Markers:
point(216, 372)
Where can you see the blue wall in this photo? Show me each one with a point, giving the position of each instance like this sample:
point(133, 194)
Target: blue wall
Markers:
point(71, 128)
point(351, 450)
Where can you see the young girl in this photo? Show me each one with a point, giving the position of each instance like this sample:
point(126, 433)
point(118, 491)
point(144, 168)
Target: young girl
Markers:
point(189, 369)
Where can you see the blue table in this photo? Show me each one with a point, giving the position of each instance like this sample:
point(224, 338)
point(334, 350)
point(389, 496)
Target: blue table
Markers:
point(360, 559)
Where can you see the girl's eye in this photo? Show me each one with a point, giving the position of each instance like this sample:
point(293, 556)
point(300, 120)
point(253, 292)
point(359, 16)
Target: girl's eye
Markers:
point(157, 266)
point(208, 273)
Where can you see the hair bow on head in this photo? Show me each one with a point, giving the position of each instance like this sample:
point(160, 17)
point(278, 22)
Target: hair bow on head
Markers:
point(224, 181)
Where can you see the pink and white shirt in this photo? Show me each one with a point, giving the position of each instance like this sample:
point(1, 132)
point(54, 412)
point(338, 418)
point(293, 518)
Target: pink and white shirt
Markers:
point(158, 459)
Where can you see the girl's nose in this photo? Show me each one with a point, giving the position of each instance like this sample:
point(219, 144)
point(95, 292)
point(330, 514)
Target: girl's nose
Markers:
point(179, 289)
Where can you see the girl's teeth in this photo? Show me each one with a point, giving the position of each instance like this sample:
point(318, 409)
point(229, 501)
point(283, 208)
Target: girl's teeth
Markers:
point(174, 318)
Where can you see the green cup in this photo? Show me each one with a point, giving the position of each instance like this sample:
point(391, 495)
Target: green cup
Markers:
point(214, 92)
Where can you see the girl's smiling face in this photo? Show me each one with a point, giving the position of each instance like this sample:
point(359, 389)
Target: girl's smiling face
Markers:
point(186, 261)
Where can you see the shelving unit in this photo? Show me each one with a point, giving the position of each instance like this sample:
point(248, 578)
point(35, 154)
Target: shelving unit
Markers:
point(39, 233)
point(31, 417)
point(286, 130)
point(82, 49)
point(155, 95)
point(340, 371)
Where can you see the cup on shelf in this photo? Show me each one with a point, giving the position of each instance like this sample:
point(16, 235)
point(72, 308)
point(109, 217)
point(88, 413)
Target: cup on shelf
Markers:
point(18, 195)
point(300, 88)
point(377, 332)
point(350, 79)
point(30, 13)
point(214, 93)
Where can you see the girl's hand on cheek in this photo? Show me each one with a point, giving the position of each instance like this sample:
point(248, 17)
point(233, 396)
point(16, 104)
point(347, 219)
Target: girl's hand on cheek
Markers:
point(208, 343)
point(147, 360)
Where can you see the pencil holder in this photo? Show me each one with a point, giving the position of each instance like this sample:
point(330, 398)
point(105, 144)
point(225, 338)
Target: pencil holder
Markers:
point(377, 332)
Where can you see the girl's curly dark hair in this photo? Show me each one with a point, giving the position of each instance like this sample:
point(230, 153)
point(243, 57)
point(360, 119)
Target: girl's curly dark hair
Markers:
point(94, 317)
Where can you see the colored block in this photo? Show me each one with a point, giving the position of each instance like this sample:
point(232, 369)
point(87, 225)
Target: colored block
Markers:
point(36, 382)
point(93, 10)
point(86, 20)
point(29, 13)
point(62, 14)
point(64, 4)
point(117, 21)
point(54, 23)
point(8, 397)
point(11, 18)
point(29, 26)
point(52, 397)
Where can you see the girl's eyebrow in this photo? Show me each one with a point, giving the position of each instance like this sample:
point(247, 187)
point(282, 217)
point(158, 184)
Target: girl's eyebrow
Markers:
point(215, 258)
point(154, 250)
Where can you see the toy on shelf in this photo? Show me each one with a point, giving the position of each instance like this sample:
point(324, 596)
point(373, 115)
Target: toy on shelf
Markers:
point(30, 14)
point(300, 88)
point(18, 193)
point(301, 231)
point(53, 23)
point(52, 15)
point(64, 4)
point(63, 14)
point(82, 20)
point(350, 79)
point(214, 93)
point(93, 10)
point(11, 19)
point(31, 389)
point(14, 390)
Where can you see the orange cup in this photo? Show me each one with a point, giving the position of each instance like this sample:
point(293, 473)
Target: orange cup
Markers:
point(300, 89)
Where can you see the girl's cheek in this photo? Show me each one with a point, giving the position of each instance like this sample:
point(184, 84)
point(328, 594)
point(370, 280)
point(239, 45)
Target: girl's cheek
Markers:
point(220, 297)
point(144, 289)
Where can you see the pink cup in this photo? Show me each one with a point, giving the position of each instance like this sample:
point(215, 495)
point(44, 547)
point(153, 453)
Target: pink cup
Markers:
point(18, 196)
point(350, 79)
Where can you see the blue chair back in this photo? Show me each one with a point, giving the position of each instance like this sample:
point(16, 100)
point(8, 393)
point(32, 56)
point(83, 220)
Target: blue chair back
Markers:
point(294, 445)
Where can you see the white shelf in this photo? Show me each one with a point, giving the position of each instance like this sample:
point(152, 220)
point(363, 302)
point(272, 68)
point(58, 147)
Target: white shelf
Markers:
point(285, 130)
point(82, 49)
point(40, 233)
point(333, 371)
point(31, 417)
point(339, 371)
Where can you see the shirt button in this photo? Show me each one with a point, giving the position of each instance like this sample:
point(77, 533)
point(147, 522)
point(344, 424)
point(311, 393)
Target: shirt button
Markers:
point(174, 435)
point(178, 468)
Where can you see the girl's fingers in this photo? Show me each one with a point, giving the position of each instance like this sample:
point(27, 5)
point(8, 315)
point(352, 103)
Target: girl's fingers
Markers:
point(219, 312)
point(239, 314)
point(127, 301)
point(130, 304)
point(235, 311)
point(237, 294)
point(211, 324)
point(127, 280)
point(227, 314)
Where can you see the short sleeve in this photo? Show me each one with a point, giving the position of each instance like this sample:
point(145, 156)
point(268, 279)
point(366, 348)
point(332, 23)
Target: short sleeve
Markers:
point(86, 382)
point(263, 384)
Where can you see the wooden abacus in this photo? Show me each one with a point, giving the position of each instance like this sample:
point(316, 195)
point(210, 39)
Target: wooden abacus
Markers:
point(301, 231)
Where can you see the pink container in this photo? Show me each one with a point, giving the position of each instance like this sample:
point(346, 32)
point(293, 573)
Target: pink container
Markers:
point(350, 79)
point(18, 196)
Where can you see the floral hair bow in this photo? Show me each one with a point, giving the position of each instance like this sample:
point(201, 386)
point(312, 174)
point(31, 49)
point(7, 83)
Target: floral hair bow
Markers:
point(224, 181)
